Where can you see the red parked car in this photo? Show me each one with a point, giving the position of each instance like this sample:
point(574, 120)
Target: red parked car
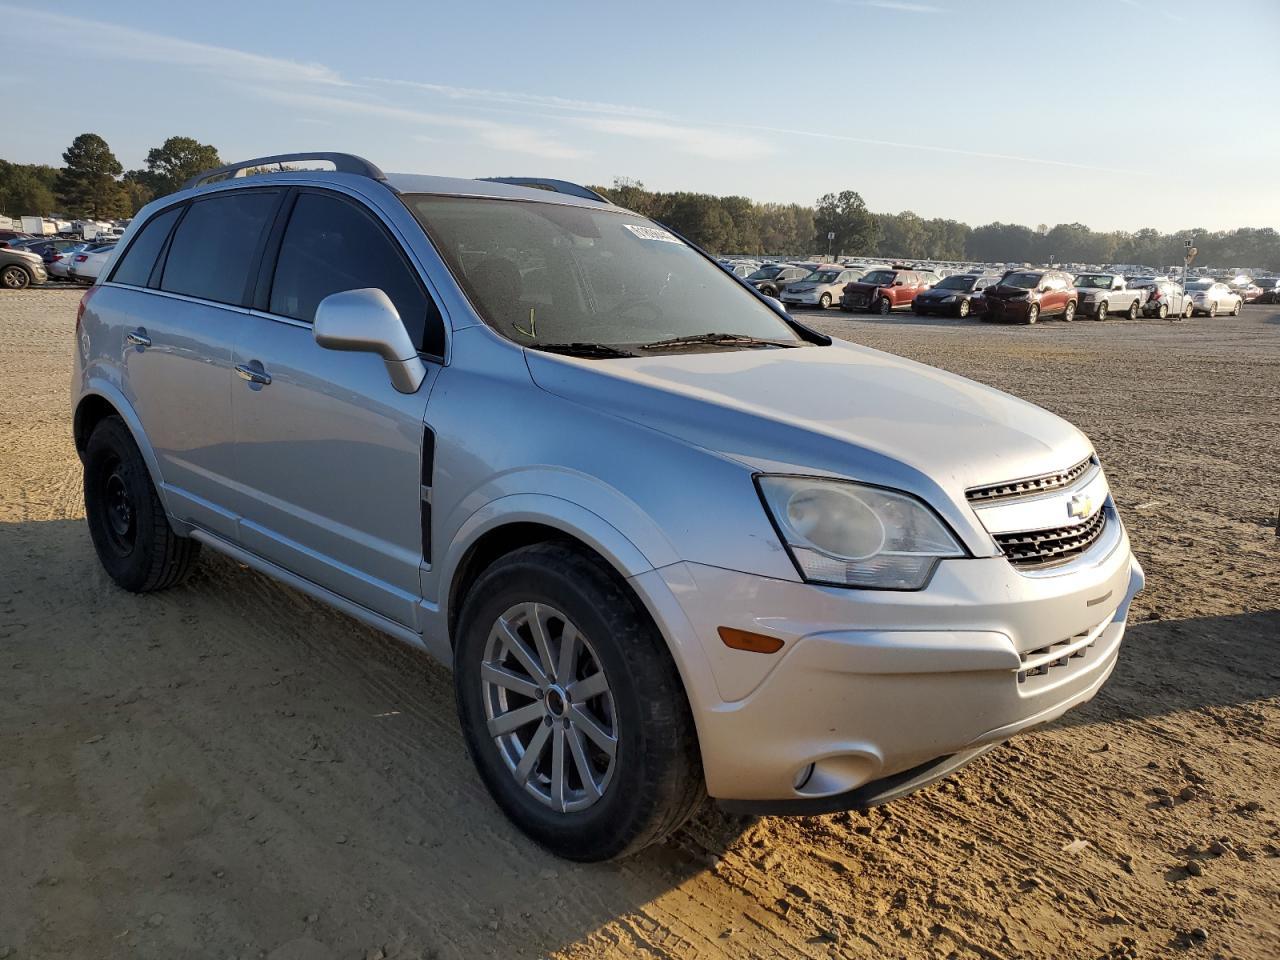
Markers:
point(1025, 296)
point(883, 291)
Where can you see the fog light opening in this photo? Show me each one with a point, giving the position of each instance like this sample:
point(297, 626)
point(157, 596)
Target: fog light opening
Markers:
point(803, 776)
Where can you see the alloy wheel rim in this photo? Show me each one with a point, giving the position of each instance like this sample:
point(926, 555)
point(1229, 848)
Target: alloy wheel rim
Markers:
point(14, 278)
point(548, 706)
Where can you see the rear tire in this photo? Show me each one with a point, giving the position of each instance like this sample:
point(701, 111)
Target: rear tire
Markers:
point(1163, 312)
point(1069, 312)
point(653, 782)
point(1133, 310)
point(135, 543)
point(1188, 310)
point(1238, 309)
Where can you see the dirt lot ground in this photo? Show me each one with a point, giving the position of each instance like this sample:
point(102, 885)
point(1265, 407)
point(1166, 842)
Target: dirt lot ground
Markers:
point(231, 770)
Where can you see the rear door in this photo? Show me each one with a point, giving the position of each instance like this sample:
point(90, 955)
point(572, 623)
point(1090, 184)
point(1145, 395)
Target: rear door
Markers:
point(329, 456)
point(183, 287)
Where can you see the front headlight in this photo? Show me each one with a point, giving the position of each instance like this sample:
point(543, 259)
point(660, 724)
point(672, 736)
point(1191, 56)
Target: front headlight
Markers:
point(852, 535)
point(950, 299)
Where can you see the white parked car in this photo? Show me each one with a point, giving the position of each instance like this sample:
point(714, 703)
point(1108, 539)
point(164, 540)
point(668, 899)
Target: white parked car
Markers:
point(1210, 298)
point(821, 288)
point(88, 263)
point(60, 265)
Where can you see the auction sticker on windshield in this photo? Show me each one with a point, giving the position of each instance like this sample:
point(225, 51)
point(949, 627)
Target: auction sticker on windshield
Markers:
point(652, 233)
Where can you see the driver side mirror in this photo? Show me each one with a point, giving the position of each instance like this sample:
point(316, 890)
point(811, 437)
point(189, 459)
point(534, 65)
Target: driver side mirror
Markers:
point(366, 321)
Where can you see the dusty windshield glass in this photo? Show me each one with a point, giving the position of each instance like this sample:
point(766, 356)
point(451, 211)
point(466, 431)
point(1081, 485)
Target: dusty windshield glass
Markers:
point(1025, 281)
point(957, 283)
point(547, 274)
point(879, 277)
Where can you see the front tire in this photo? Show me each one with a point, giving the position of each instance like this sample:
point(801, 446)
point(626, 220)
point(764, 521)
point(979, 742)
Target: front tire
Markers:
point(127, 522)
point(1033, 314)
point(1102, 311)
point(1213, 309)
point(589, 749)
point(884, 306)
point(824, 301)
point(962, 311)
point(14, 277)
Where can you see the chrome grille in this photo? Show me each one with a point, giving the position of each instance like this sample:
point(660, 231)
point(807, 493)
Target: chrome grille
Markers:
point(1042, 548)
point(1031, 485)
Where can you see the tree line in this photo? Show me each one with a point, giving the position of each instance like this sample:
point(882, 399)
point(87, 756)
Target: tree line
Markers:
point(93, 184)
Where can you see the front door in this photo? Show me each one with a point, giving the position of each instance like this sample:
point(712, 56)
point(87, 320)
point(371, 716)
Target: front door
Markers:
point(328, 452)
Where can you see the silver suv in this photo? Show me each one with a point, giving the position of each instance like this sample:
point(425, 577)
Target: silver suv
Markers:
point(672, 541)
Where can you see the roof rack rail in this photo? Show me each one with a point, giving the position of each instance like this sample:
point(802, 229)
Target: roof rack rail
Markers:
point(342, 162)
point(555, 186)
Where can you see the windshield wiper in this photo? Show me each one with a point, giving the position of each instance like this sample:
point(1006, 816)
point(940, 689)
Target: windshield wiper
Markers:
point(582, 348)
point(737, 339)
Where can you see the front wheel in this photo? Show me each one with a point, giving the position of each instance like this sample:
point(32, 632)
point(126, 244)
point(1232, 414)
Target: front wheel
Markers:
point(14, 277)
point(1213, 309)
point(572, 708)
point(1102, 311)
point(1034, 313)
point(963, 309)
point(884, 306)
point(1069, 313)
point(824, 301)
point(127, 522)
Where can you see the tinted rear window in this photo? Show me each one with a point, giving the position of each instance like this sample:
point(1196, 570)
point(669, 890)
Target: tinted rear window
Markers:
point(216, 245)
point(135, 266)
point(331, 246)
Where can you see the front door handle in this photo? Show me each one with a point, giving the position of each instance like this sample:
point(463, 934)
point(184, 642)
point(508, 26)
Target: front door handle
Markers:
point(253, 374)
point(138, 338)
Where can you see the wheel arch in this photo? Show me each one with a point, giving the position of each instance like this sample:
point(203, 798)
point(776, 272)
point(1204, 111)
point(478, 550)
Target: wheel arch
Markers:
point(102, 400)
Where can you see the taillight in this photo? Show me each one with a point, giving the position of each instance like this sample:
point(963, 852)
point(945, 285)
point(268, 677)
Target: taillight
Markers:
point(1155, 294)
point(81, 257)
point(56, 258)
point(84, 302)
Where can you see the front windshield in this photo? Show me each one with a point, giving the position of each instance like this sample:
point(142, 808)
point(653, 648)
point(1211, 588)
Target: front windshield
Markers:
point(1265, 283)
point(766, 273)
point(547, 273)
point(822, 276)
point(879, 277)
point(1199, 284)
point(1094, 281)
point(1023, 281)
point(957, 283)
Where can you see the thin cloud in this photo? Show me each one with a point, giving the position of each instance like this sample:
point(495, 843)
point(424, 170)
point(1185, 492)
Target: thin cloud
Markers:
point(125, 43)
point(538, 101)
point(688, 139)
point(932, 148)
point(501, 136)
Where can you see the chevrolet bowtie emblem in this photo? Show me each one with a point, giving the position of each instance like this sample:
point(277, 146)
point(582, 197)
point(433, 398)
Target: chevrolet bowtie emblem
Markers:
point(1081, 505)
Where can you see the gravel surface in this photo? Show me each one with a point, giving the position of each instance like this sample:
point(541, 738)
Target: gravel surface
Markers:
point(229, 769)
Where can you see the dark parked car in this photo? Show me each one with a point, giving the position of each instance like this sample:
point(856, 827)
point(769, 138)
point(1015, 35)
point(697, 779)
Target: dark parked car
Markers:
point(19, 269)
point(772, 278)
point(1025, 296)
point(883, 291)
point(1270, 287)
point(955, 296)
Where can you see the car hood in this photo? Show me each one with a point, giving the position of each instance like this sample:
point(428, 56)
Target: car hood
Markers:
point(843, 410)
point(1002, 292)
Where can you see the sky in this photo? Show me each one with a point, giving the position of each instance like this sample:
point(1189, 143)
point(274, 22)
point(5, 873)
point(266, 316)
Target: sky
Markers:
point(1118, 114)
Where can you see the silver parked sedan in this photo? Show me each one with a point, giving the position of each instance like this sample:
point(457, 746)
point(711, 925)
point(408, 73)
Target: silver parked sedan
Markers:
point(1210, 298)
point(821, 288)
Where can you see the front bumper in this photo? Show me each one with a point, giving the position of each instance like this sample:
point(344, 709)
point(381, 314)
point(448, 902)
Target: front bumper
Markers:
point(925, 676)
point(1008, 309)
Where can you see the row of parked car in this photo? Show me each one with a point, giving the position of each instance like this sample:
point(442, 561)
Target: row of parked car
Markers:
point(26, 261)
point(1020, 295)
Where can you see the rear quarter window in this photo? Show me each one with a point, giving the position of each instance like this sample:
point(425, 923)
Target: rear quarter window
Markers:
point(138, 261)
point(216, 246)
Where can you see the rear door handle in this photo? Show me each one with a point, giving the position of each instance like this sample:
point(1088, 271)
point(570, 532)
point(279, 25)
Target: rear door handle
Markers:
point(138, 338)
point(253, 374)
